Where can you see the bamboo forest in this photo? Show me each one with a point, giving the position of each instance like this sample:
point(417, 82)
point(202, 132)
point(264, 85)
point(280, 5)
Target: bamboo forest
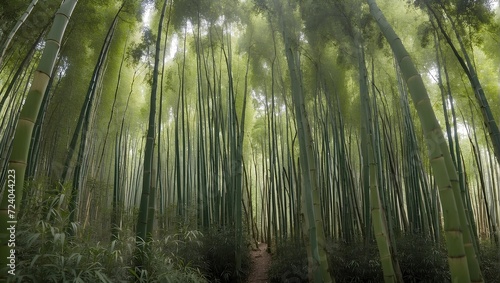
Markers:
point(249, 141)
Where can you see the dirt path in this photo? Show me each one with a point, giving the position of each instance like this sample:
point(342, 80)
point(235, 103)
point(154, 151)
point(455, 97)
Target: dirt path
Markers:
point(260, 265)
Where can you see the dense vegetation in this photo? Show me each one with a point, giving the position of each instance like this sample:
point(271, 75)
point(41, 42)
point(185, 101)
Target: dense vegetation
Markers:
point(160, 141)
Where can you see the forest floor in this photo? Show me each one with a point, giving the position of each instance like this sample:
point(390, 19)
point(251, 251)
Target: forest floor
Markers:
point(261, 260)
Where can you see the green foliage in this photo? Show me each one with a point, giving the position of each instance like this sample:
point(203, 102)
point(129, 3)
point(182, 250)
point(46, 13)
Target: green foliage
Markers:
point(144, 49)
point(425, 34)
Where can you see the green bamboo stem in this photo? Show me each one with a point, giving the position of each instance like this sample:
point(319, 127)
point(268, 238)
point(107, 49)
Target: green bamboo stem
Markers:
point(142, 221)
point(438, 154)
point(152, 201)
point(390, 265)
point(311, 195)
point(27, 118)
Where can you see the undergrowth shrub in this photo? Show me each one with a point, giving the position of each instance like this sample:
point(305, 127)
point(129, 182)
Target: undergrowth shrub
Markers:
point(46, 254)
point(212, 252)
point(288, 264)
point(489, 257)
point(164, 266)
point(354, 262)
point(420, 260)
point(219, 255)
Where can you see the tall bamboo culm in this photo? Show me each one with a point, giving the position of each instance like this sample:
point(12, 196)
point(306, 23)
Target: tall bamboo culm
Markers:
point(147, 194)
point(440, 158)
point(13, 190)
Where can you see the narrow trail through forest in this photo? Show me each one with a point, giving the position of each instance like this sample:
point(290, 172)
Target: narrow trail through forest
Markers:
point(261, 260)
